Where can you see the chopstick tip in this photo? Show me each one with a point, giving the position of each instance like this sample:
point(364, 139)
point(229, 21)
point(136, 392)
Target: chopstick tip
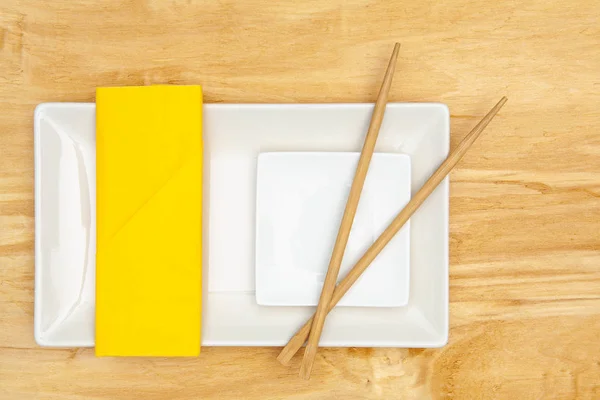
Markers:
point(501, 103)
point(396, 51)
point(305, 374)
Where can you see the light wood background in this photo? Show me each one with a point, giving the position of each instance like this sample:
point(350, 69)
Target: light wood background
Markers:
point(525, 205)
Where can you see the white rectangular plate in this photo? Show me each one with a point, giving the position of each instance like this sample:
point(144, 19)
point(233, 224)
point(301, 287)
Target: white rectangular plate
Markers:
point(234, 135)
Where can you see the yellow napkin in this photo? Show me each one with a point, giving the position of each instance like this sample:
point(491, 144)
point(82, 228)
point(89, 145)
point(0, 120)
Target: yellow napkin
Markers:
point(149, 204)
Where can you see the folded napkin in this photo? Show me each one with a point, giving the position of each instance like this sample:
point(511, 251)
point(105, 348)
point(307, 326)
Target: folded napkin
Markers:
point(149, 205)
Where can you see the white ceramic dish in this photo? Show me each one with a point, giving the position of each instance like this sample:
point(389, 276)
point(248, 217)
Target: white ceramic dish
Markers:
point(234, 135)
point(299, 205)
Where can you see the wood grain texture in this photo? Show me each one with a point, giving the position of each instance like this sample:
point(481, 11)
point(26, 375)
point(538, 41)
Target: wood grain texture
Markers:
point(525, 201)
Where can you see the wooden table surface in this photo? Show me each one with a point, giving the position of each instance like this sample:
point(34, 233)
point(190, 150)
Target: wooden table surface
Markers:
point(525, 202)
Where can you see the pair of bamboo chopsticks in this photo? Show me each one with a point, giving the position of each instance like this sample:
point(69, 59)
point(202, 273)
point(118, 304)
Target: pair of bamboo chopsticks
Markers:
point(332, 294)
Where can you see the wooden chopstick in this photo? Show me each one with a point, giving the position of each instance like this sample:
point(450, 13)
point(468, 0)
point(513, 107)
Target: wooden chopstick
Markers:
point(438, 176)
point(348, 217)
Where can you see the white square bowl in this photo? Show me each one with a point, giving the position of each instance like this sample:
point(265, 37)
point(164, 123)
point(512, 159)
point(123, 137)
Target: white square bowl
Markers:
point(300, 201)
point(234, 135)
